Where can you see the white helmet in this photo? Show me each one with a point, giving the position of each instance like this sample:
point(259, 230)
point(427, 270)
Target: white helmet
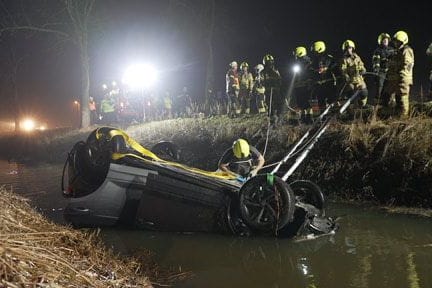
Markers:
point(233, 64)
point(259, 68)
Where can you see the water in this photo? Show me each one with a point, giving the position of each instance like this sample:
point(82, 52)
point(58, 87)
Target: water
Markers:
point(371, 249)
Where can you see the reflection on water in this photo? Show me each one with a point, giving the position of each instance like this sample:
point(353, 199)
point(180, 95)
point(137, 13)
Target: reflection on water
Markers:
point(371, 249)
point(39, 183)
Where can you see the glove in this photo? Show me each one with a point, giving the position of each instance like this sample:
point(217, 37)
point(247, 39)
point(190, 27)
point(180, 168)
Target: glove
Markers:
point(252, 173)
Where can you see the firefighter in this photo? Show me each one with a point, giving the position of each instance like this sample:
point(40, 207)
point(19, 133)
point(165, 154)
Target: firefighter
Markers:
point(352, 69)
point(272, 83)
point(246, 85)
point(302, 90)
point(323, 68)
point(108, 109)
point(167, 106)
point(93, 112)
point(429, 53)
point(380, 59)
point(259, 89)
point(242, 159)
point(400, 75)
point(233, 89)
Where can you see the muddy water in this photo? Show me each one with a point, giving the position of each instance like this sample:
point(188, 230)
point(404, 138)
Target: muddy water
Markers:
point(371, 249)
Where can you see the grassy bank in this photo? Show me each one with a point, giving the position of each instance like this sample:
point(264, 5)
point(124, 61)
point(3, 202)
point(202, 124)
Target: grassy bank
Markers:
point(37, 253)
point(388, 162)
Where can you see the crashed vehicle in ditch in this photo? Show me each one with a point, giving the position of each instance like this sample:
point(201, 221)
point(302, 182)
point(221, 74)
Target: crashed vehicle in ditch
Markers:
point(111, 180)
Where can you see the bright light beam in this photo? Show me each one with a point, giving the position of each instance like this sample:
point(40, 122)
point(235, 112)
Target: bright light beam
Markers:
point(140, 76)
point(296, 68)
point(28, 125)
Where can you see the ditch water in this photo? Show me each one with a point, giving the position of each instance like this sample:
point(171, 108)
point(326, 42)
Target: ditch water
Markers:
point(371, 249)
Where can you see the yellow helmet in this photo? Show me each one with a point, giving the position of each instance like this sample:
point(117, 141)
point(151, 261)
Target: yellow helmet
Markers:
point(241, 148)
point(233, 64)
point(383, 36)
point(268, 58)
point(300, 51)
point(318, 47)
point(244, 64)
point(401, 36)
point(348, 43)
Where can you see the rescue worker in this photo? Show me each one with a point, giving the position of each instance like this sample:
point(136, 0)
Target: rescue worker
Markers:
point(429, 53)
point(352, 69)
point(272, 83)
point(93, 112)
point(380, 59)
point(400, 75)
point(302, 90)
point(183, 103)
point(246, 85)
point(242, 159)
point(167, 105)
point(233, 88)
point(323, 69)
point(259, 89)
point(108, 108)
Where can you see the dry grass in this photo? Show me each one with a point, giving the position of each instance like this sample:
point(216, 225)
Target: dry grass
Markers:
point(388, 161)
point(37, 253)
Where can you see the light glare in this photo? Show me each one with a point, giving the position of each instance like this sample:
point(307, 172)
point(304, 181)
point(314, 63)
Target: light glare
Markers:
point(28, 125)
point(140, 76)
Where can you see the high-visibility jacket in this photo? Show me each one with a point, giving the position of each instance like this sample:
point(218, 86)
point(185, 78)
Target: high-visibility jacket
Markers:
point(107, 105)
point(246, 81)
point(352, 68)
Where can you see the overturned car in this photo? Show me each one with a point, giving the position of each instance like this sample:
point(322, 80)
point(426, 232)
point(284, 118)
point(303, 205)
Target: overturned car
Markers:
point(110, 180)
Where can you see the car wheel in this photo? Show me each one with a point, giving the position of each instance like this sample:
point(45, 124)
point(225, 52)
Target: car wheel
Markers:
point(167, 151)
point(308, 192)
point(266, 203)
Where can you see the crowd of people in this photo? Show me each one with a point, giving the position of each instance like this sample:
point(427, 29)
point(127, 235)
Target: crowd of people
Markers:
point(122, 106)
point(320, 78)
point(317, 80)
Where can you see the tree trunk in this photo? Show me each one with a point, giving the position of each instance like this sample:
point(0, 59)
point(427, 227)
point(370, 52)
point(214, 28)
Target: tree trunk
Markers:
point(210, 60)
point(16, 105)
point(85, 84)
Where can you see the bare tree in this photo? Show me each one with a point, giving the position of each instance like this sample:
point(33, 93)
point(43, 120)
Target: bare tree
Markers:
point(13, 64)
point(69, 20)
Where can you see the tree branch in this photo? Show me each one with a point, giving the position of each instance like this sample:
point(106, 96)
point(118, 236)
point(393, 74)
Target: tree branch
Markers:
point(34, 28)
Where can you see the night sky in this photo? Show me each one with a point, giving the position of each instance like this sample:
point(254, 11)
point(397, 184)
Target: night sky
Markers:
point(174, 41)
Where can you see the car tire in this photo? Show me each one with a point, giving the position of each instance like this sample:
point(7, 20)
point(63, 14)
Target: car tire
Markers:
point(308, 192)
point(267, 203)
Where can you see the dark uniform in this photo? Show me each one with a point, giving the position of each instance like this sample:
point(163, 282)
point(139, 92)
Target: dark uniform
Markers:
point(242, 166)
point(302, 87)
point(323, 67)
point(273, 86)
point(380, 60)
point(429, 53)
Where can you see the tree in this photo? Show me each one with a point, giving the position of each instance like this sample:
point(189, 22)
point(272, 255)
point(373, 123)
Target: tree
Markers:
point(13, 64)
point(69, 20)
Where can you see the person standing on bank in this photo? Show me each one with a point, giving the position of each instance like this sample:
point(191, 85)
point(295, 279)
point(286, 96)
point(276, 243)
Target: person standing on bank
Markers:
point(400, 75)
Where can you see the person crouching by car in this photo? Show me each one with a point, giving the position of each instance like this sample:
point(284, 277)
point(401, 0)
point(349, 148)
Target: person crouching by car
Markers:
point(242, 159)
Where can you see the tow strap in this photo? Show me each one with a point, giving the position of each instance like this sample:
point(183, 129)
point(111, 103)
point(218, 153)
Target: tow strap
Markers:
point(145, 155)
